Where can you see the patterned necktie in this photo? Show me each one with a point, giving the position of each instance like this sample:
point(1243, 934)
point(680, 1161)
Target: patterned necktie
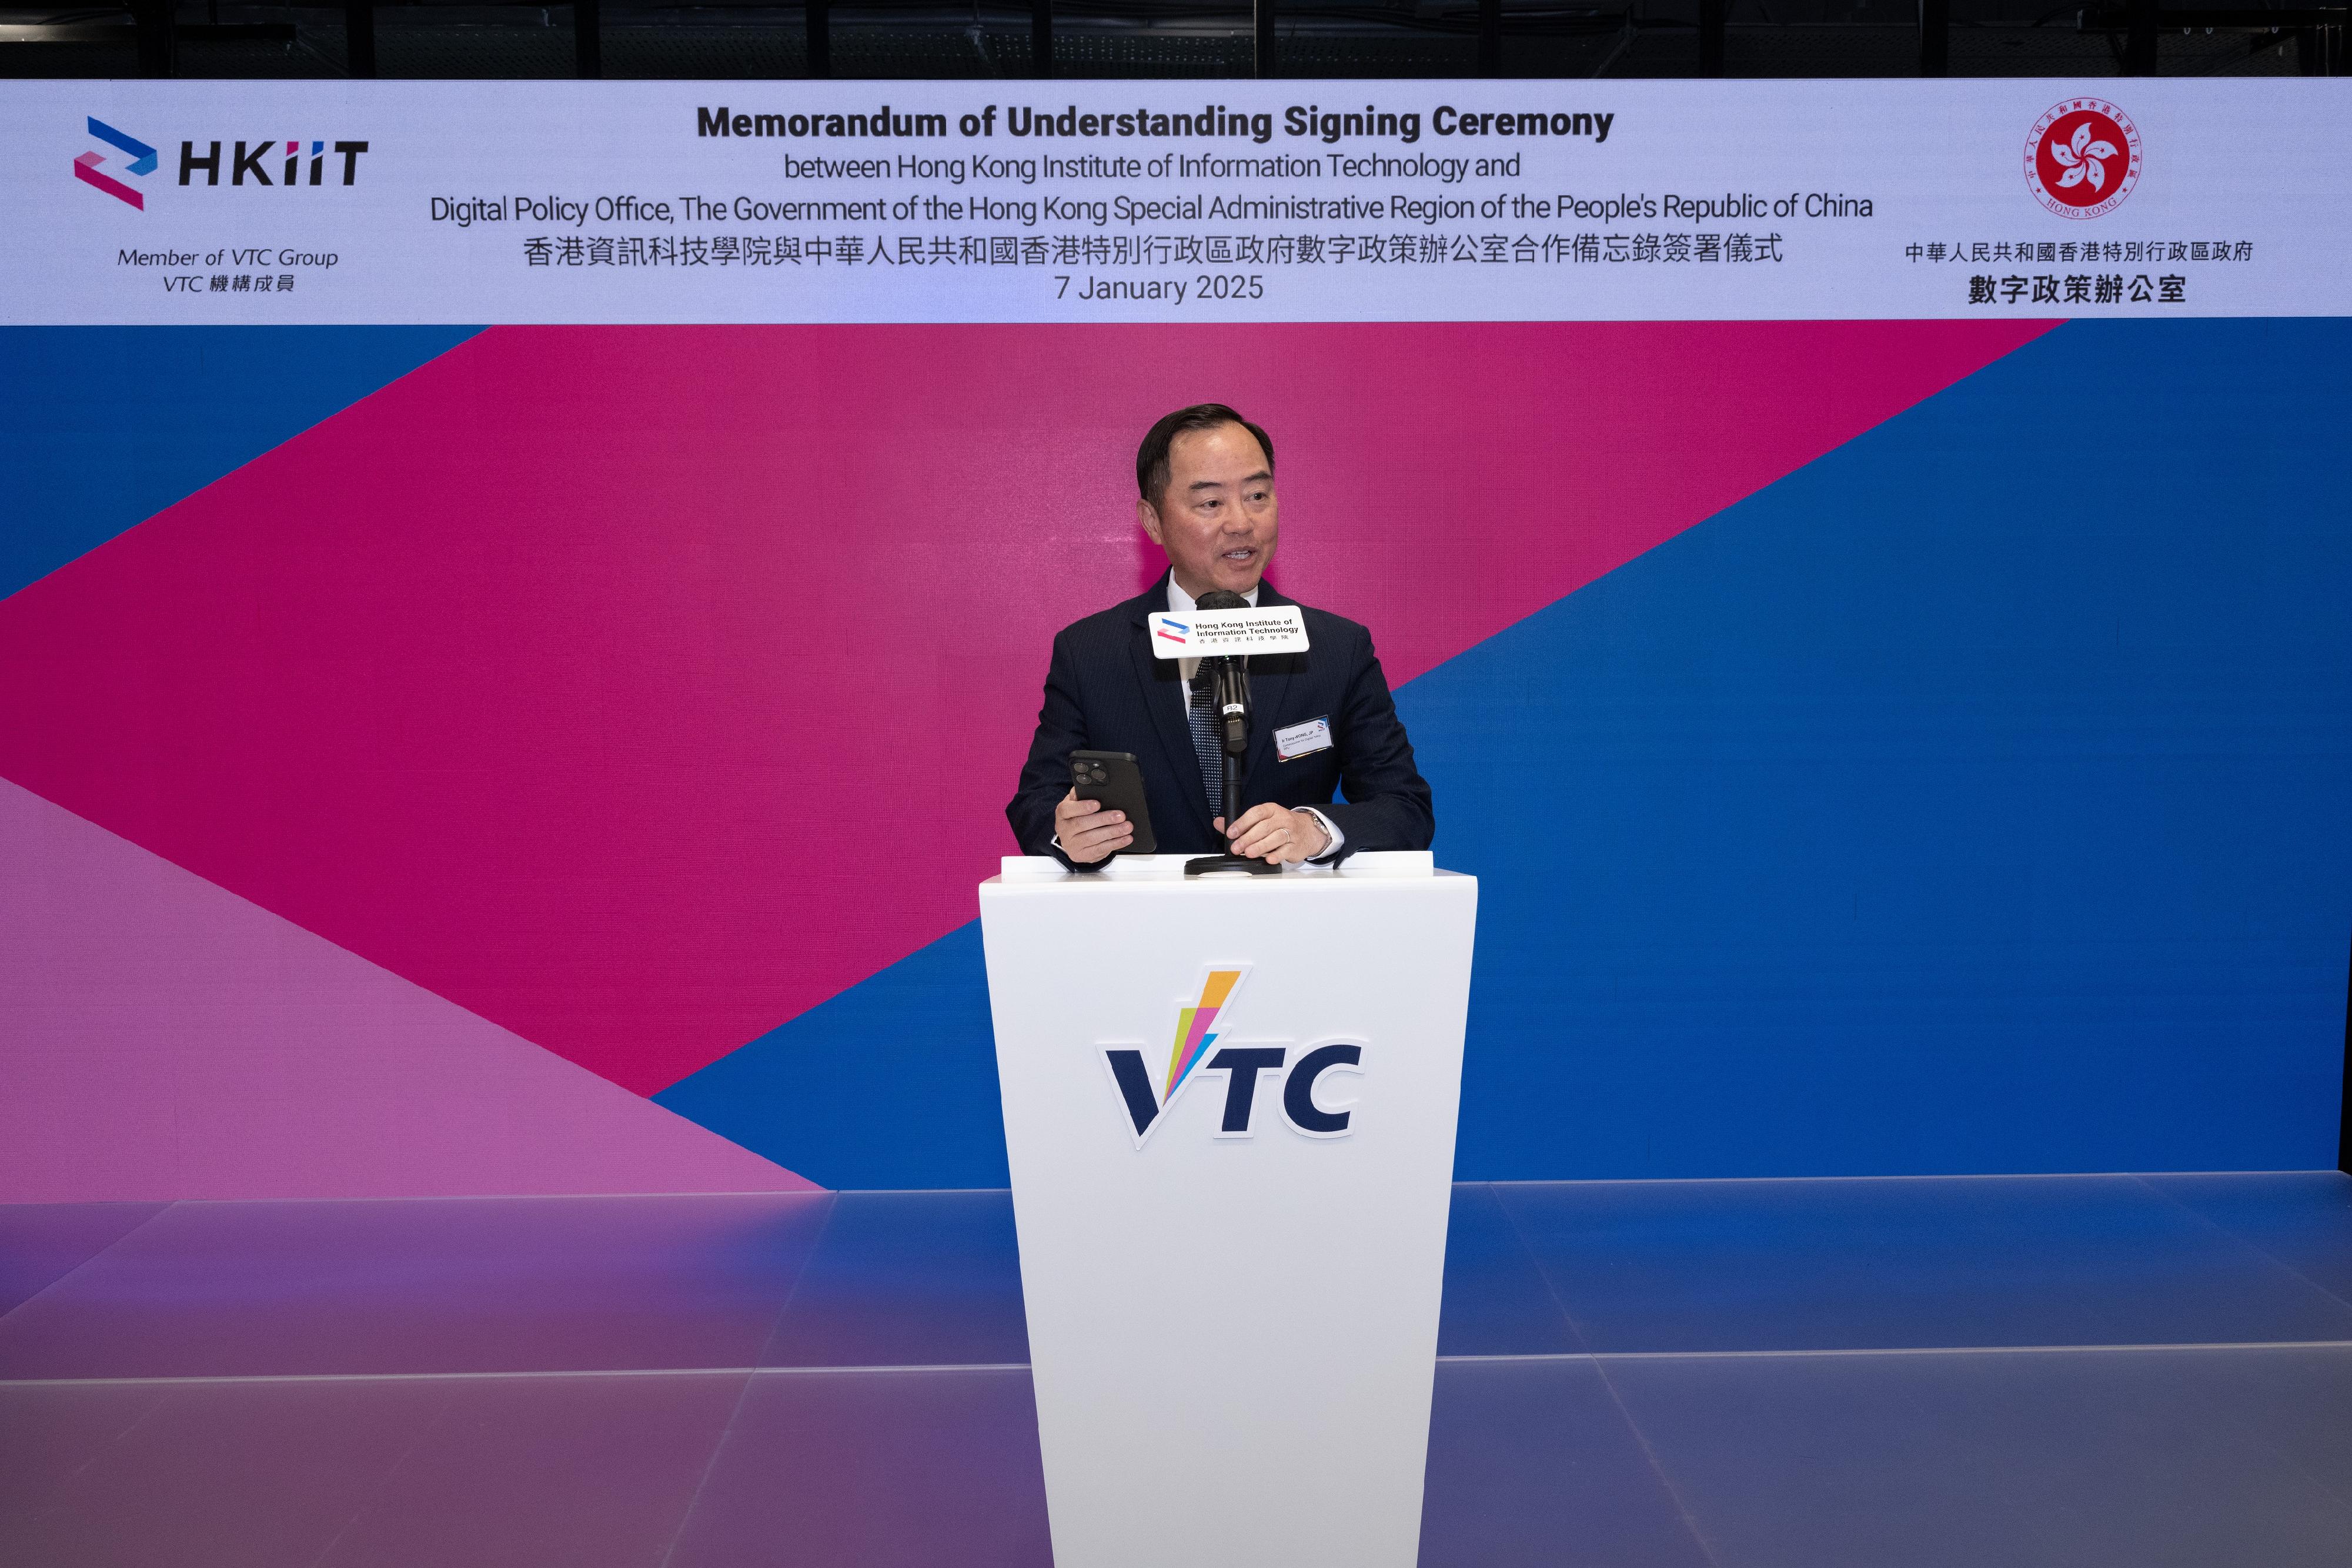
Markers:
point(1203, 712)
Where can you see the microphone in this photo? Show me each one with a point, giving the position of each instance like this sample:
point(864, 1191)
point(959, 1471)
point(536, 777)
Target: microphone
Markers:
point(1231, 696)
point(1230, 691)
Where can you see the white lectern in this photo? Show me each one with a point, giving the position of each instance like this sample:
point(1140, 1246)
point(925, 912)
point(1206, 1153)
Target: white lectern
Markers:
point(1230, 1107)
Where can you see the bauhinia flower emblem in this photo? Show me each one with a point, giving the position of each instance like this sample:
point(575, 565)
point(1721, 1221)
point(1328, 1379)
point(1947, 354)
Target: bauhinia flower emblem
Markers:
point(2082, 158)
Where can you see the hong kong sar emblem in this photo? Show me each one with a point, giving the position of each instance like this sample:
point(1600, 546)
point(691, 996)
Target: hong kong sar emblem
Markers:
point(2082, 158)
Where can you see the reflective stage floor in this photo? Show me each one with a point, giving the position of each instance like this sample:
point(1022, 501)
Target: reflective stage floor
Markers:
point(1888, 1374)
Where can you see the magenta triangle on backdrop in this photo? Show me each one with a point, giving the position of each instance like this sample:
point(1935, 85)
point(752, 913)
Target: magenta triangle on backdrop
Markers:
point(168, 1040)
point(637, 688)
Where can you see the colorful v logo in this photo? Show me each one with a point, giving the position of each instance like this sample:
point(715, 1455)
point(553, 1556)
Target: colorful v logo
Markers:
point(1196, 1030)
point(142, 162)
point(1196, 1025)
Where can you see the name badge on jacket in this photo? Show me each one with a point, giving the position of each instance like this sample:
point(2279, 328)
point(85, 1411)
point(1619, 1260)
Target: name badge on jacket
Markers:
point(1301, 739)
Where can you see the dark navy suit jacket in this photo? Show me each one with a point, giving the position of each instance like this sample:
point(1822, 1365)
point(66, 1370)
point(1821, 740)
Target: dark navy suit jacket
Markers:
point(1105, 692)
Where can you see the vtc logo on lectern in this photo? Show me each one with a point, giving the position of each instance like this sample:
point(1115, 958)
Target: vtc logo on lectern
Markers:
point(1201, 1026)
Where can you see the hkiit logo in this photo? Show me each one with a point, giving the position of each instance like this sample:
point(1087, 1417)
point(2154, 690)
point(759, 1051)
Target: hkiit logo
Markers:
point(1200, 1027)
point(142, 163)
point(249, 162)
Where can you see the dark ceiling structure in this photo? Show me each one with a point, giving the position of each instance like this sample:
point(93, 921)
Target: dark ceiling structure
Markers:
point(941, 39)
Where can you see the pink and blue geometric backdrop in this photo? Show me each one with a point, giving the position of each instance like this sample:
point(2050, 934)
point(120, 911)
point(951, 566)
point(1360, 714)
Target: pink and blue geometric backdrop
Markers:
point(529, 760)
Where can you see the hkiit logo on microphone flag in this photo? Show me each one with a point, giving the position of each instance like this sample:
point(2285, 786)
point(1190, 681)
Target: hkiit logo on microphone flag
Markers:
point(1199, 1028)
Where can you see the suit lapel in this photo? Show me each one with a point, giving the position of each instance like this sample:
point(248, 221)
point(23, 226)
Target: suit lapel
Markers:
point(1163, 694)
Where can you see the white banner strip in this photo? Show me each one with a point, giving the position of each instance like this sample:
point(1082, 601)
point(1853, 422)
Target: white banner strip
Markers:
point(1216, 634)
point(136, 201)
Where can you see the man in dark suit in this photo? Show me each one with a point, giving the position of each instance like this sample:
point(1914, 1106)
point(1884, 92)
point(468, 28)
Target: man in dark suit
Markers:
point(1323, 720)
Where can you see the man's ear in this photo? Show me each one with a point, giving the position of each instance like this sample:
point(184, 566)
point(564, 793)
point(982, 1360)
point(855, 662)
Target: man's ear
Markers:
point(1147, 518)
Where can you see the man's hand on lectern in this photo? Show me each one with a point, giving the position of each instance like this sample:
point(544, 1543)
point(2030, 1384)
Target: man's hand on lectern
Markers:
point(1087, 832)
point(1276, 835)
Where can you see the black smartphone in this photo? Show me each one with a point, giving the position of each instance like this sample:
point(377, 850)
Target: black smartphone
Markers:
point(1113, 779)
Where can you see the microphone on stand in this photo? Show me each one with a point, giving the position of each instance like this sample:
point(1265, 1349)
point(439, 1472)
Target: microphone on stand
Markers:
point(1230, 678)
point(1228, 693)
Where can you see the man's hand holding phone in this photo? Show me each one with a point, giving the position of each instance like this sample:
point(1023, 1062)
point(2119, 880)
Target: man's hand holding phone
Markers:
point(1088, 831)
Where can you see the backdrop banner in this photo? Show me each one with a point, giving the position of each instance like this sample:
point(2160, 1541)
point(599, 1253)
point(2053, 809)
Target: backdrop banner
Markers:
point(522, 603)
point(515, 202)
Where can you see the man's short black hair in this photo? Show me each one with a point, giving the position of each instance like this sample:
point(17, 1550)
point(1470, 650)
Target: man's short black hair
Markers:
point(1152, 458)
